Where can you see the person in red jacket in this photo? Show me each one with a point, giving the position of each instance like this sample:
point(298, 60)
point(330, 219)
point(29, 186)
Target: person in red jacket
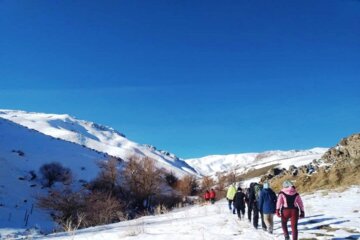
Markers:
point(212, 196)
point(288, 205)
point(207, 196)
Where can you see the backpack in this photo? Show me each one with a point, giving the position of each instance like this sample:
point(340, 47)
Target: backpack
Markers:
point(257, 190)
point(290, 199)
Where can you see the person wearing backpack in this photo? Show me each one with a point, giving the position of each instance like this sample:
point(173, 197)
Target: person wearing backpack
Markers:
point(267, 206)
point(288, 205)
point(254, 193)
point(239, 202)
point(230, 196)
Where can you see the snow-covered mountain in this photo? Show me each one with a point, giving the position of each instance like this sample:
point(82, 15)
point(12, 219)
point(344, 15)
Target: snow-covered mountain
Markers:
point(28, 140)
point(95, 136)
point(247, 161)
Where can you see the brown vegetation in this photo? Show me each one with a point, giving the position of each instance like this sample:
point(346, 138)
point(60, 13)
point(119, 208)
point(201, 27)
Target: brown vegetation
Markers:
point(142, 177)
point(187, 186)
point(339, 175)
point(119, 192)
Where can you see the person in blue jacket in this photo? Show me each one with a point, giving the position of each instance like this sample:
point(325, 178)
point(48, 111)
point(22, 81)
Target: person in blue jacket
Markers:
point(267, 206)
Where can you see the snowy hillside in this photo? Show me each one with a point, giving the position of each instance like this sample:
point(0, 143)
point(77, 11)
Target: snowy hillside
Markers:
point(94, 136)
point(329, 215)
point(243, 162)
point(22, 152)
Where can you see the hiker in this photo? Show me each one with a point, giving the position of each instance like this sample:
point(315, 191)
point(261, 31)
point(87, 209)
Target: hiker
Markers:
point(207, 196)
point(239, 202)
point(267, 206)
point(212, 196)
point(230, 195)
point(288, 205)
point(248, 191)
point(254, 193)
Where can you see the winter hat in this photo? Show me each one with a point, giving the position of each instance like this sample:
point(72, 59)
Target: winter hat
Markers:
point(239, 189)
point(266, 185)
point(287, 183)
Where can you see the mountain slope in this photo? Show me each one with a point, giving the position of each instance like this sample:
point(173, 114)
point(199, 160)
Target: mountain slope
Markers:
point(95, 136)
point(244, 162)
point(22, 152)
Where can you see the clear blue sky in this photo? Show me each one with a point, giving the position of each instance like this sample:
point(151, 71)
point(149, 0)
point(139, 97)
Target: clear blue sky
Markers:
point(192, 77)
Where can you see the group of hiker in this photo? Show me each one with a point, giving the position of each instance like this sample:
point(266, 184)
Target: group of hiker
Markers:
point(262, 201)
point(210, 196)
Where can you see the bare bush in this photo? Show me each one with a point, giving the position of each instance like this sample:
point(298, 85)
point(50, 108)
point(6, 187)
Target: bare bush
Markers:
point(65, 206)
point(142, 177)
point(207, 183)
point(55, 172)
point(171, 179)
point(222, 183)
point(108, 178)
point(188, 186)
point(102, 209)
point(72, 210)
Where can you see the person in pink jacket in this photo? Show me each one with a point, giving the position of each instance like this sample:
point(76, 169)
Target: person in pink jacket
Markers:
point(288, 206)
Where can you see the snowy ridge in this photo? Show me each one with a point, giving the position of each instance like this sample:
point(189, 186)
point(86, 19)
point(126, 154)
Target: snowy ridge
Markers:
point(94, 136)
point(243, 162)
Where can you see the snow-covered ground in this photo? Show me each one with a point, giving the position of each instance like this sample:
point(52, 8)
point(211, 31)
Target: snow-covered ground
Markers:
point(329, 215)
point(23, 151)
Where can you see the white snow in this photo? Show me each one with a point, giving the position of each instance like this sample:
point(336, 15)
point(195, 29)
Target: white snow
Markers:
point(244, 162)
point(94, 136)
point(339, 210)
point(18, 196)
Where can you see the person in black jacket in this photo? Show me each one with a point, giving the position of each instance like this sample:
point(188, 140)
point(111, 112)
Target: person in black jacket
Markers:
point(239, 202)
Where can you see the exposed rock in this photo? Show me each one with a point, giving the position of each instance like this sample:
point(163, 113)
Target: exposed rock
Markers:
point(347, 150)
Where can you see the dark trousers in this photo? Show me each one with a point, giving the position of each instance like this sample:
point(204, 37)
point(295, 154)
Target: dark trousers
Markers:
point(240, 210)
point(230, 203)
point(249, 211)
point(293, 214)
point(256, 217)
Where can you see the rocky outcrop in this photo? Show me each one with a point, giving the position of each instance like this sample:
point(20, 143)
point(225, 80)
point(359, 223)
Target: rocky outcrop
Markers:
point(338, 167)
point(347, 150)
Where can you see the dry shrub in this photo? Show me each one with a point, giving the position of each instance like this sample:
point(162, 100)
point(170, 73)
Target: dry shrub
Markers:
point(142, 178)
point(207, 183)
point(108, 179)
point(72, 210)
point(222, 184)
point(65, 206)
point(169, 201)
point(171, 179)
point(55, 172)
point(188, 186)
point(102, 209)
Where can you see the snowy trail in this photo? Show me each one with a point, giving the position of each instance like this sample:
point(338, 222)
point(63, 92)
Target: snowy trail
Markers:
point(329, 215)
point(213, 222)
